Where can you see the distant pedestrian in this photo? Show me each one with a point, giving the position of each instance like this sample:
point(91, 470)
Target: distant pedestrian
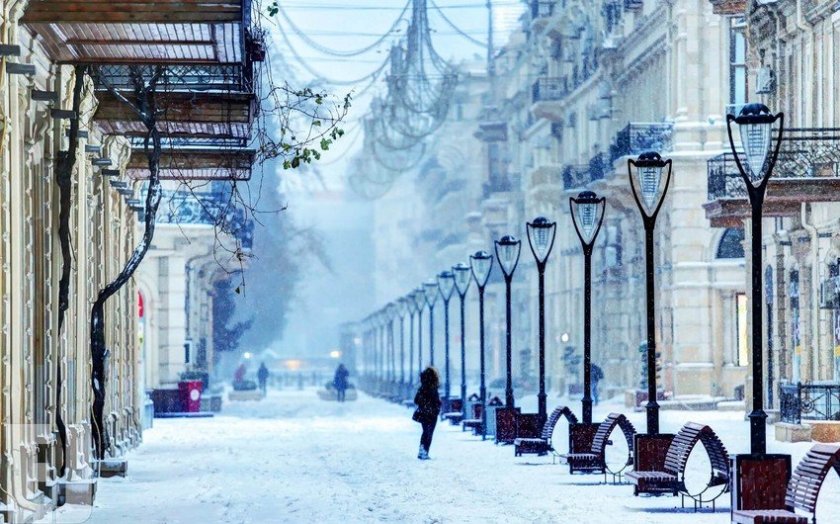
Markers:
point(597, 376)
point(340, 382)
point(262, 376)
point(428, 408)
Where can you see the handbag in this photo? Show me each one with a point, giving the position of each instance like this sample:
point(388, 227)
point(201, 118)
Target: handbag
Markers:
point(417, 416)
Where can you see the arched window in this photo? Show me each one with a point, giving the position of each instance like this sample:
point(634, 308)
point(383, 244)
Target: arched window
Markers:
point(731, 244)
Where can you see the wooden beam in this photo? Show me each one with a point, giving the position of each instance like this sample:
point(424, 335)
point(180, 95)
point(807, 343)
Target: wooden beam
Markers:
point(133, 11)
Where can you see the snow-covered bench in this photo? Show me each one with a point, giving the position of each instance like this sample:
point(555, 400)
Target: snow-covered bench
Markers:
point(802, 490)
point(454, 411)
point(671, 478)
point(593, 460)
point(542, 444)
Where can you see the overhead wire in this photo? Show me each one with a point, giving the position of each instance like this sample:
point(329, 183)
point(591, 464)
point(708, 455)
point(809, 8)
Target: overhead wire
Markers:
point(457, 29)
point(337, 52)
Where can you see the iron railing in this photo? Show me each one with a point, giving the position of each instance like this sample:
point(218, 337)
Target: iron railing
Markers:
point(809, 401)
point(637, 138)
point(187, 77)
point(805, 153)
point(541, 8)
point(549, 88)
point(211, 208)
point(575, 176)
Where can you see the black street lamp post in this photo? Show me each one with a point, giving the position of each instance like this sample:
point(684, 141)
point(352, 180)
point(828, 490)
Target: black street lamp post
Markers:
point(461, 272)
point(755, 123)
point(392, 313)
point(481, 263)
point(541, 234)
point(446, 283)
point(649, 191)
point(587, 213)
point(402, 309)
point(431, 291)
point(507, 252)
point(419, 304)
point(412, 308)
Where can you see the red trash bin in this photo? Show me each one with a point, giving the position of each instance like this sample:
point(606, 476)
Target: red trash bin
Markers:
point(191, 395)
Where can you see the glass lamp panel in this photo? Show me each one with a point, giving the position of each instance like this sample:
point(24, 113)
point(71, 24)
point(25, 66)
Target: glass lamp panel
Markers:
point(431, 290)
point(508, 252)
point(446, 282)
point(542, 237)
point(419, 299)
point(588, 217)
point(481, 268)
point(756, 139)
point(402, 307)
point(649, 187)
point(462, 277)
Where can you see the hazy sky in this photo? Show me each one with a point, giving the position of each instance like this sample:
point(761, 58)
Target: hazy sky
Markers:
point(330, 28)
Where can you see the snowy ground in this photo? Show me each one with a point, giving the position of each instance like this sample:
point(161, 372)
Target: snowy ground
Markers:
point(292, 458)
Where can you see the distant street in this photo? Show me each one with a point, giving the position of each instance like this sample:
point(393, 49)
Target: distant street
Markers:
point(293, 458)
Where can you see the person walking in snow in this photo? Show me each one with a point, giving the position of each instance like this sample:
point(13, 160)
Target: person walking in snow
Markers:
point(428, 408)
point(340, 382)
point(597, 376)
point(262, 376)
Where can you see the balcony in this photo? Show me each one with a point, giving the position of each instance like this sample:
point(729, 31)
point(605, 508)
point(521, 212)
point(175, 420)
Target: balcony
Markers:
point(545, 93)
point(637, 138)
point(729, 7)
point(575, 177)
point(212, 208)
point(808, 170)
point(541, 11)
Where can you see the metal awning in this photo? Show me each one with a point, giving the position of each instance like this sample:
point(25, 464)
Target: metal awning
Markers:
point(137, 31)
point(196, 164)
point(200, 115)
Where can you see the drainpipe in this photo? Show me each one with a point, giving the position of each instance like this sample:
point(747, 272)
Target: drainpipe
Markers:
point(816, 338)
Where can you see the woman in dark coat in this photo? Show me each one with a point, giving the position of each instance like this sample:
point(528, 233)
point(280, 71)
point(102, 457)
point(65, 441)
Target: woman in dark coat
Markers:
point(428, 408)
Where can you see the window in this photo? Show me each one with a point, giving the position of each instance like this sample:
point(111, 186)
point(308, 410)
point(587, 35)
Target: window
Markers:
point(737, 62)
point(731, 244)
point(743, 353)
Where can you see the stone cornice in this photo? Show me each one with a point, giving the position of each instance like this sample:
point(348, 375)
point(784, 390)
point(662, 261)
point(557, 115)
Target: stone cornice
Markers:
point(729, 7)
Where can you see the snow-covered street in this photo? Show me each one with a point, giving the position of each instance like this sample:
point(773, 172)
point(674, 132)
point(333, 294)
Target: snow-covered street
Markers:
point(294, 458)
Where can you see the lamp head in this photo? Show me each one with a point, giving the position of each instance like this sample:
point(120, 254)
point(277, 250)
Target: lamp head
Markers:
point(507, 252)
point(462, 276)
point(541, 233)
point(446, 283)
point(481, 263)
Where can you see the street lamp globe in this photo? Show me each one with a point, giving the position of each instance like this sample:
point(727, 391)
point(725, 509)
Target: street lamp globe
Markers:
point(541, 233)
point(461, 274)
point(431, 290)
point(446, 283)
point(648, 185)
point(507, 251)
point(419, 299)
point(755, 125)
point(481, 262)
point(402, 306)
point(587, 214)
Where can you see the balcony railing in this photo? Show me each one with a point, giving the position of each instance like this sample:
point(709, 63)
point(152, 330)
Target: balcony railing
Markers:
point(212, 208)
point(637, 138)
point(809, 401)
point(575, 176)
point(542, 8)
point(805, 153)
point(599, 167)
point(548, 88)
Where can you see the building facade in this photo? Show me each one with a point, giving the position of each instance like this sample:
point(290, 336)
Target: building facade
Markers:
point(579, 89)
point(73, 193)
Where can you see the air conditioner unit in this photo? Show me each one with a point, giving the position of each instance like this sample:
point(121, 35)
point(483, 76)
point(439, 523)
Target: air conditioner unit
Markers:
point(765, 81)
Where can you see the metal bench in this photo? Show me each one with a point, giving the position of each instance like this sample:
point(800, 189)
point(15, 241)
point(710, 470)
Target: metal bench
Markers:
point(473, 423)
point(802, 490)
point(453, 412)
point(593, 460)
point(671, 479)
point(542, 445)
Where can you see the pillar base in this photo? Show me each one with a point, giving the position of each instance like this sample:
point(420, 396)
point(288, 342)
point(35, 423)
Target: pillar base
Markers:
point(111, 467)
point(79, 491)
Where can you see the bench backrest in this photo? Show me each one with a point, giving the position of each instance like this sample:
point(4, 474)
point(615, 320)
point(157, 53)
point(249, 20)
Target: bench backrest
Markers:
point(804, 486)
point(684, 442)
point(606, 427)
point(554, 418)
